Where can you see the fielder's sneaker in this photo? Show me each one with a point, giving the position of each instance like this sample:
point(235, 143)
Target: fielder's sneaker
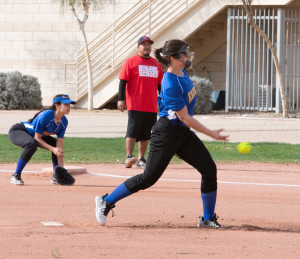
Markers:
point(53, 180)
point(130, 160)
point(211, 223)
point(102, 209)
point(141, 163)
point(16, 179)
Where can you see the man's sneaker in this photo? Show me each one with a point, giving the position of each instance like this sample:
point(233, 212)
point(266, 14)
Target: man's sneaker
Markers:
point(130, 160)
point(53, 180)
point(102, 209)
point(141, 163)
point(211, 223)
point(16, 179)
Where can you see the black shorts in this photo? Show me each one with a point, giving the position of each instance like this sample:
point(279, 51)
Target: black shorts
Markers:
point(140, 124)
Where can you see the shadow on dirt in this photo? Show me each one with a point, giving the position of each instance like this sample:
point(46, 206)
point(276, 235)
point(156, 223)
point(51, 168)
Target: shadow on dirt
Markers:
point(290, 229)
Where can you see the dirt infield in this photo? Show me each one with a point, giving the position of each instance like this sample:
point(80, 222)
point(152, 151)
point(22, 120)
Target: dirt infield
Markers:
point(258, 205)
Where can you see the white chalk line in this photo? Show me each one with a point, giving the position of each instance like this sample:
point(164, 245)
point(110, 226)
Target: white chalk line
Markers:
point(172, 180)
point(198, 181)
point(12, 171)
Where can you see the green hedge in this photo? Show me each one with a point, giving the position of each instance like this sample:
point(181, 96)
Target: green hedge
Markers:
point(19, 92)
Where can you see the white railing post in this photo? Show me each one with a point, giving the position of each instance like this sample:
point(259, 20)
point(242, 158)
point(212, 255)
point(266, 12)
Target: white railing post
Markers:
point(228, 60)
point(149, 1)
point(77, 77)
point(113, 46)
point(280, 31)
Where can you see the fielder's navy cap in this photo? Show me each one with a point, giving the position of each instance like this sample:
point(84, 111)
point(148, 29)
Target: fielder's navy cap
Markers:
point(143, 39)
point(63, 99)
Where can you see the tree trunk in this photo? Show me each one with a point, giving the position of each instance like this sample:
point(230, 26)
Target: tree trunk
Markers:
point(278, 69)
point(89, 71)
point(87, 54)
point(247, 7)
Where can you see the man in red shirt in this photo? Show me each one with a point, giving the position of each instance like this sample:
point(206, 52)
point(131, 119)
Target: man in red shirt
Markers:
point(140, 79)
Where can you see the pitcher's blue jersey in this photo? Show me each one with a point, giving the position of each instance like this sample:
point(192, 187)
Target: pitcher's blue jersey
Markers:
point(176, 92)
point(45, 125)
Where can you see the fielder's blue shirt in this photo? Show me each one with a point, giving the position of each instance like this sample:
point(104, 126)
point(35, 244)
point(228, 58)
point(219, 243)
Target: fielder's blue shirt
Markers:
point(45, 125)
point(176, 92)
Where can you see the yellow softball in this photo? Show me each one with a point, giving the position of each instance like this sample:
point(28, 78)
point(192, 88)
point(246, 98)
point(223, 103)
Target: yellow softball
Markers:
point(244, 147)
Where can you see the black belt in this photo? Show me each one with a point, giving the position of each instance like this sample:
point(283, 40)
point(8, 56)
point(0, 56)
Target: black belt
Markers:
point(174, 122)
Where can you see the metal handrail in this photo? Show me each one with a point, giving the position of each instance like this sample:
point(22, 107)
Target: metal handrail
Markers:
point(114, 44)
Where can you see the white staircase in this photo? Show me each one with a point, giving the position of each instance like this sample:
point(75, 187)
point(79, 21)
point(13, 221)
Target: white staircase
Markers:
point(159, 19)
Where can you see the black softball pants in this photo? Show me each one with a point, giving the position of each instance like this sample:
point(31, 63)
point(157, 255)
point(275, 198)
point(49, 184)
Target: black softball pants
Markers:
point(19, 136)
point(166, 141)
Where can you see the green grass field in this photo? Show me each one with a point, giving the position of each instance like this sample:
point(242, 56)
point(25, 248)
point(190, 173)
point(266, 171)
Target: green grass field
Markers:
point(112, 150)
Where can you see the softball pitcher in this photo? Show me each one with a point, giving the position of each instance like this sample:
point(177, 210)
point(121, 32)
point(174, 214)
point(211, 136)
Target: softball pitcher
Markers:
point(36, 132)
point(171, 135)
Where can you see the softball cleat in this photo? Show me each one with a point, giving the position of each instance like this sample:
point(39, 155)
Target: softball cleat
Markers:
point(53, 180)
point(210, 223)
point(16, 179)
point(102, 209)
point(130, 160)
point(141, 163)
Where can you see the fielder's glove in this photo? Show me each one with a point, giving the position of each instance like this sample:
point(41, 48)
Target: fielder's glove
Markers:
point(62, 176)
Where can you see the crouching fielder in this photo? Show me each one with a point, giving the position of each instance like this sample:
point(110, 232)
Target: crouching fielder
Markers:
point(36, 133)
point(171, 135)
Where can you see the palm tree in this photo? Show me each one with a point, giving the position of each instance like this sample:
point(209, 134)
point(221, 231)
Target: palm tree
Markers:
point(85, 5)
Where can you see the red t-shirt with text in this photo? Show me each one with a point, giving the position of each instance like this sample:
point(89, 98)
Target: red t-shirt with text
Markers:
point(142, 76)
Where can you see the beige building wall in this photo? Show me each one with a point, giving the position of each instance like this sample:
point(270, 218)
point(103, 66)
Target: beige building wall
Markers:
point(216, 65)
point(36, 39)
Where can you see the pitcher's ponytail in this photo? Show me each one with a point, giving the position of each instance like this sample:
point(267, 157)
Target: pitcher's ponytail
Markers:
point(165, 60)
point(170, 49)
